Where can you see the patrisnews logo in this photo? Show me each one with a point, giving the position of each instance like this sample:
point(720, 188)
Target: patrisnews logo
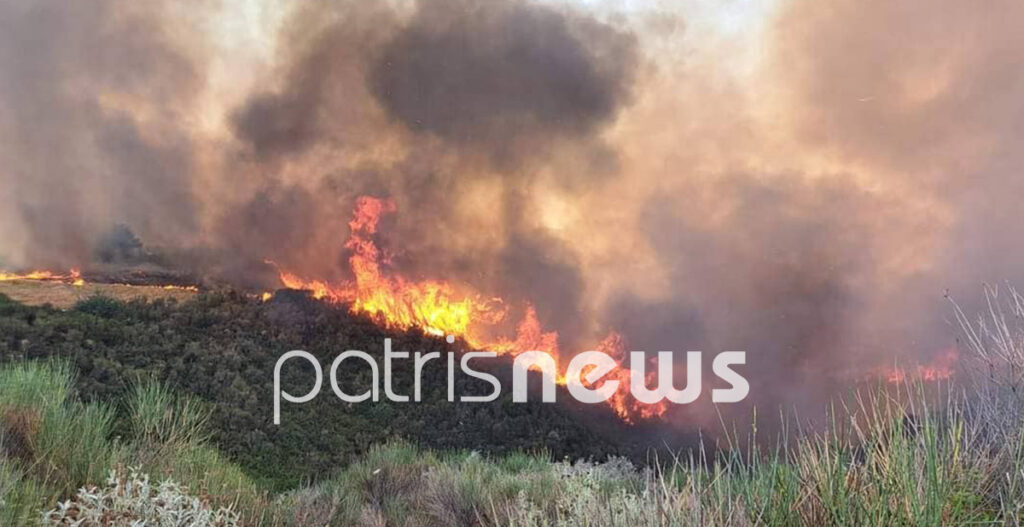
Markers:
point(582, 377)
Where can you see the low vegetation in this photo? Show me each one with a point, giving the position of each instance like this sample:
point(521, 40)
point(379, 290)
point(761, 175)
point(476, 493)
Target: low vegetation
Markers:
point(220, 348)
point(926, 456)
point(128, 501)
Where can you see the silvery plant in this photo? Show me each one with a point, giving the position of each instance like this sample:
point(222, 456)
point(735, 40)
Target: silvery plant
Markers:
point(132, 501)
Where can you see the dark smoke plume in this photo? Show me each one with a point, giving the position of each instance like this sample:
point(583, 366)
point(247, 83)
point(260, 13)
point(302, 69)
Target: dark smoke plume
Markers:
point(499, 74)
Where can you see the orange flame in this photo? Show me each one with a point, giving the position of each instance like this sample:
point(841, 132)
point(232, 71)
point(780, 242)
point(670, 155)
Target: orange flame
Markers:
point(940, 368)
point(440, 308)
point(622, 401)
point(191, 288)
point(32, 275)
point(73, 276)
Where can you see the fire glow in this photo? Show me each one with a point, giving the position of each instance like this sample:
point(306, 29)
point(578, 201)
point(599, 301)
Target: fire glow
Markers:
point(73, 277)
point(940, 368)
point(440, 308)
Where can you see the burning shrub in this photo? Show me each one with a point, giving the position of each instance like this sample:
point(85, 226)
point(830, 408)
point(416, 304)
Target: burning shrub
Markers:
point(131, 500)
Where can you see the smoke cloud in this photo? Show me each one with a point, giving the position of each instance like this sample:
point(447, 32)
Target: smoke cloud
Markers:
point(500, 75)
point(91, 131)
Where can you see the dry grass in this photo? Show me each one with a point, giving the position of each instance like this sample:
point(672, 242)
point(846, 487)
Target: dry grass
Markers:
point(63, 295)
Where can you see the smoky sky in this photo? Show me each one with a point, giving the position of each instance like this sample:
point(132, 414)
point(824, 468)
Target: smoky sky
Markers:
point(77, 157)
point(929, 96)
point(807, 190)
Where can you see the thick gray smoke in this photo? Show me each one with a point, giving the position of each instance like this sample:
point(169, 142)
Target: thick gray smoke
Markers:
point(806, 190)
point(928, 94)
point(90, 129)
point(470, 93)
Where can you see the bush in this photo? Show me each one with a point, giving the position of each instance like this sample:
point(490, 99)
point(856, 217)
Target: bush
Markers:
point(52, 444)
point(47, 434)
point(160, 417)
point(100, 306)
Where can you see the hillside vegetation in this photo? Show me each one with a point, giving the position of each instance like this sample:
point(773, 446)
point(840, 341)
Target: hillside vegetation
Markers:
point(221, 348)
point(81, 442)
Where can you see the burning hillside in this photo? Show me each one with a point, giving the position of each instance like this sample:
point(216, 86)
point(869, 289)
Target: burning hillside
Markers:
point(549, 175)
point(739, 242)
point(65, 291)
point(441, 308)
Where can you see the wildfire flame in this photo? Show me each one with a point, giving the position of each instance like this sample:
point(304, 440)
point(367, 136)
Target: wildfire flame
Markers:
point(940, 368)
point(73, 277)
point(440, 308)
point(191, 288)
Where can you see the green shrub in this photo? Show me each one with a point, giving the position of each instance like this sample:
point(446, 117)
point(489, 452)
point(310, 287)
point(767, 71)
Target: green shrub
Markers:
point(100, 306)
point(52, 444)
point(47, 432)
point(21, 497)
point(158, 416)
